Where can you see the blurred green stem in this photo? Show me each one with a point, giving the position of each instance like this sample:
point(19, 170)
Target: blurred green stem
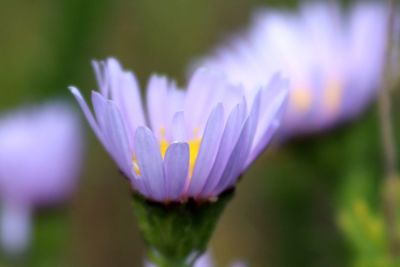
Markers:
point(388, 141)
point(390, 154)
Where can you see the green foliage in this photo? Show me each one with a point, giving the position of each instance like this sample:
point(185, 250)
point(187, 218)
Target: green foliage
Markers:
point(366, 227)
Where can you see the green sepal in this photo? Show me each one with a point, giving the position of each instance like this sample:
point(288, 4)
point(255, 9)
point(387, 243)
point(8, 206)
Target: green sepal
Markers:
point(178, 233)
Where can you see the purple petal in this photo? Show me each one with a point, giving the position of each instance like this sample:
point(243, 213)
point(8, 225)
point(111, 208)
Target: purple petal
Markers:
point(233, 166)
point(114, 73)
point(367, 25)
point(201, 96)
point(231, 97)
point(150, 163)
point(130, 103)
point(86, 111)
point(273, 104)
point(208, 150)
point(176, 166)
point(179, 132)
point(100, 109)
point(125, 91)
point(116, 131)
point(176, 102)
point(204, 261)
point(101, 77)
point(230, 138)
point(156, 102)
point(240, 153)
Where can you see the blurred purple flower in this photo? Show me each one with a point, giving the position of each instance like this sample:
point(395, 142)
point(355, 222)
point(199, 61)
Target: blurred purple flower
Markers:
point(333, 60)
point(192, 143)
point(40, 159)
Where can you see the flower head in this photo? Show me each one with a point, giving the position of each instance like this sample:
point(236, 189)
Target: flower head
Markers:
point(40, 158)
point(192, 143)
point(333, 60)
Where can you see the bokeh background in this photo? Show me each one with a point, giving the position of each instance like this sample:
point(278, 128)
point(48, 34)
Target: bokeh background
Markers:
point(288, 207)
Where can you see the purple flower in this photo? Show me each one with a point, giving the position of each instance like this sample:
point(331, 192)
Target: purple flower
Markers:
point(192, 143)
point(40, 160)
point(332, 58)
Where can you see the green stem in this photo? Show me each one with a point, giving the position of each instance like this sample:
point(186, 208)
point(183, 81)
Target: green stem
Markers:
point(388, 141)
point(162, 260)
point(178, 233)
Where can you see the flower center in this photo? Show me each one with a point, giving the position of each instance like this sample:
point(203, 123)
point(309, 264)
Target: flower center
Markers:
point(301, 99)
point(194, 147)
point(332, 97)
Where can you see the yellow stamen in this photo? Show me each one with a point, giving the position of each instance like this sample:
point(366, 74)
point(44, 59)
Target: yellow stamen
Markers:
point(301, 99)
point(332, 97)
point(163, 147)
point(194, 147)
point(135, 166)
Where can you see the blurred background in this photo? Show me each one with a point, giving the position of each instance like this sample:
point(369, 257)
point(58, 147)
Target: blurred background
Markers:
point(292, 208)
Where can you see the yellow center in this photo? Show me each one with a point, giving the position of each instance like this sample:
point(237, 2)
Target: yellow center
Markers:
point(332, 96)
point(194, 147)
point(301, 99)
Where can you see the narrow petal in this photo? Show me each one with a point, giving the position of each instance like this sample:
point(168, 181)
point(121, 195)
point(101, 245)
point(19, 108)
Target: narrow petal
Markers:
point(114, 73)
point(86, 111)
point(273, 104)
point(100, 110)
point(119, 140)
point(241, 151)
point(176, 101)
point(125, 91)
point(130, 103)
point(150, 163)
point(101, 77)
point(208, 150)
point(156, 102)
point(232, 97)
point(230, 137)
point(179, 132)
point(176, 166)
point(139, 185)
point(201, 97)
point(234, 163)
